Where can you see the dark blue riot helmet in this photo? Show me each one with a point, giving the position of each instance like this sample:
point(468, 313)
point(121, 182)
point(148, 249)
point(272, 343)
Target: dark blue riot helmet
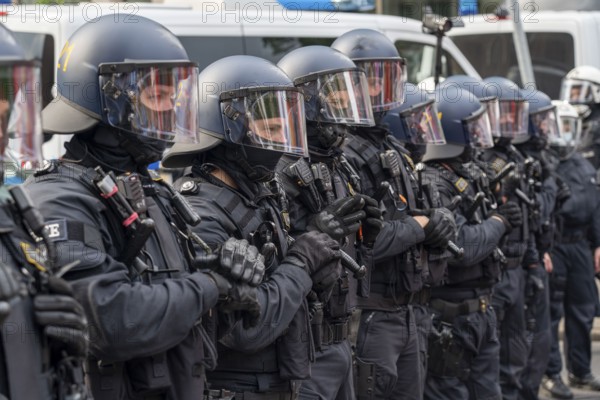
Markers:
point(253, 108)
point(415, 122)
point(513, 107)
point(20, 110)
point(336, 93)
point(543, 120)
point(134, 77)
point(479, 89)
point(465, 123)
point(376, 54)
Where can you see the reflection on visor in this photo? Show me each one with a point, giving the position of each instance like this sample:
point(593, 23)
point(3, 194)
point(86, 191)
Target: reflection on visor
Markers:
point(339, 98)
point(569, 131)
point(20, 116)
point(479, 130)
point(159, 101)
point(545, 123)
point(386, 80)
point(423, 125)
point(514, 118)
point(579, 92)
point(271, 120)
point(493, 110)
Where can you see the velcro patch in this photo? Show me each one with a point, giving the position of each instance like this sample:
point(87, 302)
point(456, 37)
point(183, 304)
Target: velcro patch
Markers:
point(461, 185)
point(57, 230)
point(498, 164)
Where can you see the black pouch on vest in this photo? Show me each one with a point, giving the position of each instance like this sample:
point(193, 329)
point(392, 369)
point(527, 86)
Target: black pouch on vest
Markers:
point(149, 375)
point(295, 350)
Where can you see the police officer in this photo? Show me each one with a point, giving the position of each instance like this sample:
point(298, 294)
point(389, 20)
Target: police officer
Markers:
point(250, 115)
point(544, 190)
point(463, 347)
point(519, 245)
point(581, 86)
point(323, 185)
point(416, 125)
point(129, 233)
point(575, 258)
point(43, 326)
point(389, 361)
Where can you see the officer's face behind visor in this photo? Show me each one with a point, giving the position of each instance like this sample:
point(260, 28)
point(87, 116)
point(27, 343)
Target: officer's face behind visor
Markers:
point(580, 92)
point(20, 117)
point(477, 127)
point(569, 132)
point(545, 123)
point(266, 118)
point(514, 118)
point(337, 97)
point(422, 124)
point(154, 100)
point(386, 79)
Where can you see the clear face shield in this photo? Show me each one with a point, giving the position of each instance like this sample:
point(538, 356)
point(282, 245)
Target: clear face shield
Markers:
point(20, 119)
point(545, 123)
point(154, 100)
point(478, 129)
point(492, 106)
point(422, 124)
point(569, 136)
point(337, 97)
point(266, 118)
point(386, 79)
point(579, 92)
point(514, 118)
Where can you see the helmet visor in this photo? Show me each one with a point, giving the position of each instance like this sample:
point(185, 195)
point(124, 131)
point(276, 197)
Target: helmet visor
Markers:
point(20, 117)
point(159, 101)
point(579, 92)
point(514, 118)
point(545, 123)
point(479, 130)
point(270, 119)
point(493, 109)
point(569, 132)
point(422, 124)
point(338, 98)
point(386, 79)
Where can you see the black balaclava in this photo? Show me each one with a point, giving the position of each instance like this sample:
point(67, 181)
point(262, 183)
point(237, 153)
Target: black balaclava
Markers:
point(417, 151)
point(114, 149)
point(322, 138)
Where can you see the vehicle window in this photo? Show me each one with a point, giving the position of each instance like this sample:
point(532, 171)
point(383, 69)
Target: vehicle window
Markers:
point(421, 61)
point(274, 48)
point(552, 56)
point(206, 50)
point(39, 46)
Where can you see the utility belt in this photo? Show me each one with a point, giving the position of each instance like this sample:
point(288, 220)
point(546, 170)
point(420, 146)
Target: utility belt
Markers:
point(400, 298)
point(291, 393)
point(513, 263)
point(449, 310)
point(570, 238)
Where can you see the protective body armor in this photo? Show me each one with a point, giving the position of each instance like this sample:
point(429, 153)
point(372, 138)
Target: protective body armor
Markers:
point(256, 217)
point(176, 373)
point(27, 369)
point(450, 184)
point(384, 159)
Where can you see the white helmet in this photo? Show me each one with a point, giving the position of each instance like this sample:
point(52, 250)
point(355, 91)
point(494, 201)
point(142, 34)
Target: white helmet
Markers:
point(428, 84)
point(581, 85)
point(569, 128)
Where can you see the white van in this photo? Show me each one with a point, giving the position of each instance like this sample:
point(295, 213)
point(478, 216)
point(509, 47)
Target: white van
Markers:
point(558, 41)
point(211, 30)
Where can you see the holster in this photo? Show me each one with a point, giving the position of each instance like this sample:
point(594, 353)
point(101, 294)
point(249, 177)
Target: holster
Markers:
point(446, 357)
point(364, 380)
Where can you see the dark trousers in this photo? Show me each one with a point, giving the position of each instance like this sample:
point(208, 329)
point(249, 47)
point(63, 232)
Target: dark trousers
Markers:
point(476, 333)
point(388, 340)
point(423, 317)
point(508, 301)
point(574, 295)
point(331, 375)
point(539, 340)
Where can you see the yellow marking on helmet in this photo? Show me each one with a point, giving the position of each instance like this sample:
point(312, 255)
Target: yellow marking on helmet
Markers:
point(66, 52)
point(440, 115)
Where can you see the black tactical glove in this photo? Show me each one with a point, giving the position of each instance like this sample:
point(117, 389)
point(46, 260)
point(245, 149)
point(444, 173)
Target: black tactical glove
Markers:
point(440, 229)
point(320, 255)
point(237, 297)
point(373, 223)
point(62, 317)
point(339, 219)
point(236, 259)
point(510, 213)
point(564, 191)
point(10, 288)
